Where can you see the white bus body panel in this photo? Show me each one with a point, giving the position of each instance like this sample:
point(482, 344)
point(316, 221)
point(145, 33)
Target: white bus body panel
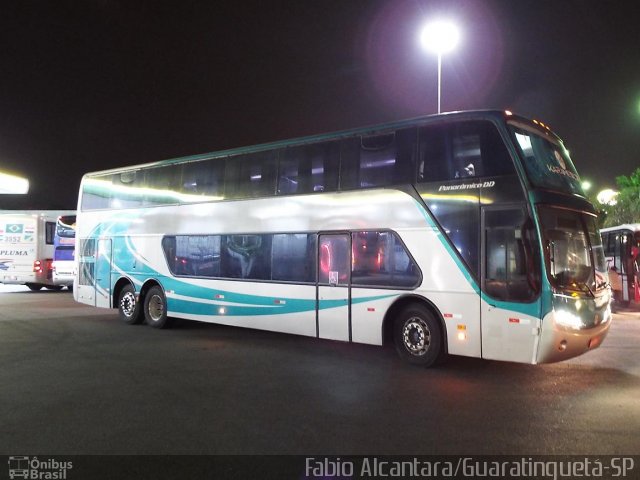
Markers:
point(22, 242)
point(137, 236)
point(63, 272)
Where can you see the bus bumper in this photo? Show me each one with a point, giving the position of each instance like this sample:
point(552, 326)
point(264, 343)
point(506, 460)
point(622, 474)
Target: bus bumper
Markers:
point(568, 332)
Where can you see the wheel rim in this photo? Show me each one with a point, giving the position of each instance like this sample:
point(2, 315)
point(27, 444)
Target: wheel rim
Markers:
point(128, 304)
point(156, 308)
point(416, 336)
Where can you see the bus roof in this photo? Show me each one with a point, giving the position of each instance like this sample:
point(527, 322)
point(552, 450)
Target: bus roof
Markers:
point(495, 115)
point(634, 227)
point(38, 213)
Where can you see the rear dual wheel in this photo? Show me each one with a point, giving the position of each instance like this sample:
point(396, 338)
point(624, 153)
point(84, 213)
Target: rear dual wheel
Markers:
point(155, 308)
point(152, 308)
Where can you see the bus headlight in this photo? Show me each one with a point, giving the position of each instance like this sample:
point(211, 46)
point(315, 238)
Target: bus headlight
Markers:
point(568, 319)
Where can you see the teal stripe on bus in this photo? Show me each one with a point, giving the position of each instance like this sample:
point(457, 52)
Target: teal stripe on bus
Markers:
point(532, 309)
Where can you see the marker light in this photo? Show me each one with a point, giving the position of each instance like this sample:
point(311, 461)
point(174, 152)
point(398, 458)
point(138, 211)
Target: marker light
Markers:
point(462, 332)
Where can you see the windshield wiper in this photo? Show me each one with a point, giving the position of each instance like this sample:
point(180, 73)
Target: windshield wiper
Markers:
point(584, 288)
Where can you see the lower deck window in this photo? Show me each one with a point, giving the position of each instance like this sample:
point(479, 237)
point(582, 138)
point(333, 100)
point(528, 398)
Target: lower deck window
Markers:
point(377, 259)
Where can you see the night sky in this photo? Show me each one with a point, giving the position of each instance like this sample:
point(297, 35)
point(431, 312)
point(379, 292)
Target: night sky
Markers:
point(96, 84)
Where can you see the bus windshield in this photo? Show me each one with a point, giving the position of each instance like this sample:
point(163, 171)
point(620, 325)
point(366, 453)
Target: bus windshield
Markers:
point(65, 238)
point(574, 255)
point(546, 162)
point(66, 226)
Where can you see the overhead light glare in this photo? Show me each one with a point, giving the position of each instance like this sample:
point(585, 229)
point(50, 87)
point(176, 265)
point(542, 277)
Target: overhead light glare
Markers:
point(11, 184)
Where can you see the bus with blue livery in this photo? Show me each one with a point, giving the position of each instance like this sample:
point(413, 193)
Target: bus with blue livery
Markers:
point(466, 233)
point(64, 243)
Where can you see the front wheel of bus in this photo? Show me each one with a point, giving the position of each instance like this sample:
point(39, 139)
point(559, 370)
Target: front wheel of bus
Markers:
point(128, 306)
point(155, 308)
point(418, 336)
point(34, 287)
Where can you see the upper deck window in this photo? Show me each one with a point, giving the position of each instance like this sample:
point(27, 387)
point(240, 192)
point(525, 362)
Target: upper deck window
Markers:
point(462, 150)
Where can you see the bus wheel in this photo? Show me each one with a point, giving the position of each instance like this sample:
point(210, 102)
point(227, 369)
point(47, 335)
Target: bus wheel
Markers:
point(53, 287)
point(34, 287)
point(155, 308)
point(418, 336)
point(128, 306)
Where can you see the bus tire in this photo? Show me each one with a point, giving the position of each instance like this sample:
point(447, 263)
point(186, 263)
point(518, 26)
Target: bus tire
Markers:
point(155, 308)
point(34, 287)
point(53, 287)
point(418, 337)
point(129, 306)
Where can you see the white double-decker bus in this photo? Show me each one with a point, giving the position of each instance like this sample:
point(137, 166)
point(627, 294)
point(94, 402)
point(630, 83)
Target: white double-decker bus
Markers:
point(465, 233)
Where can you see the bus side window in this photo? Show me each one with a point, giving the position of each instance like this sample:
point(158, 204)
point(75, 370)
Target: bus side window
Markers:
point(478, 151)
point(50, 230)
point(380, 259)
point(470, 149)
point(160, 183)
point(433, 162)
point(349, 163)
point(378, 160)
point(511, 272)
point(292, 257)
point(467, 156)
point(128, 188)
point(308, 168)
point(202, 178)
point(252, 175)
point(96, 192)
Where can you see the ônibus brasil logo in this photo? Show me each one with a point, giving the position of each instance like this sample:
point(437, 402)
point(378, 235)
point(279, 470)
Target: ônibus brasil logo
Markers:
point(33, 468)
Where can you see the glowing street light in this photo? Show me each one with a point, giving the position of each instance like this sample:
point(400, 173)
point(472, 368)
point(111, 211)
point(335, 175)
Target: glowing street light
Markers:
point(10, 184)
point(439, 37)
point(607, 197)
point(586, 185)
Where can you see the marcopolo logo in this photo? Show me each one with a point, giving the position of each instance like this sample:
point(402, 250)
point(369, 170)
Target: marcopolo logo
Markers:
point(37, 469)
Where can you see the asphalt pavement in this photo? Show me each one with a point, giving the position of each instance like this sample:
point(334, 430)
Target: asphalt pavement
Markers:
point(77, 381)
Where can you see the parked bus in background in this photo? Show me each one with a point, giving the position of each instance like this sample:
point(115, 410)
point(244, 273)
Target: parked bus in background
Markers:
point(64, 243)
point(621, 249)
point(465, 233)
point(27, 247)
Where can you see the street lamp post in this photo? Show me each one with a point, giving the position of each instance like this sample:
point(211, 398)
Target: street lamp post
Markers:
point(439, 37)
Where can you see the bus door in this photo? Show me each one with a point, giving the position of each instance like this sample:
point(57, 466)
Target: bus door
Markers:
point(94, 272)
point(103, 273)
point(84, 291)
point(334, 276)
point(509, 285)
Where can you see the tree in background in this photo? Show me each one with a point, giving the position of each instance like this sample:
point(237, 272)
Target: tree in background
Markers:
point(627, 207)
